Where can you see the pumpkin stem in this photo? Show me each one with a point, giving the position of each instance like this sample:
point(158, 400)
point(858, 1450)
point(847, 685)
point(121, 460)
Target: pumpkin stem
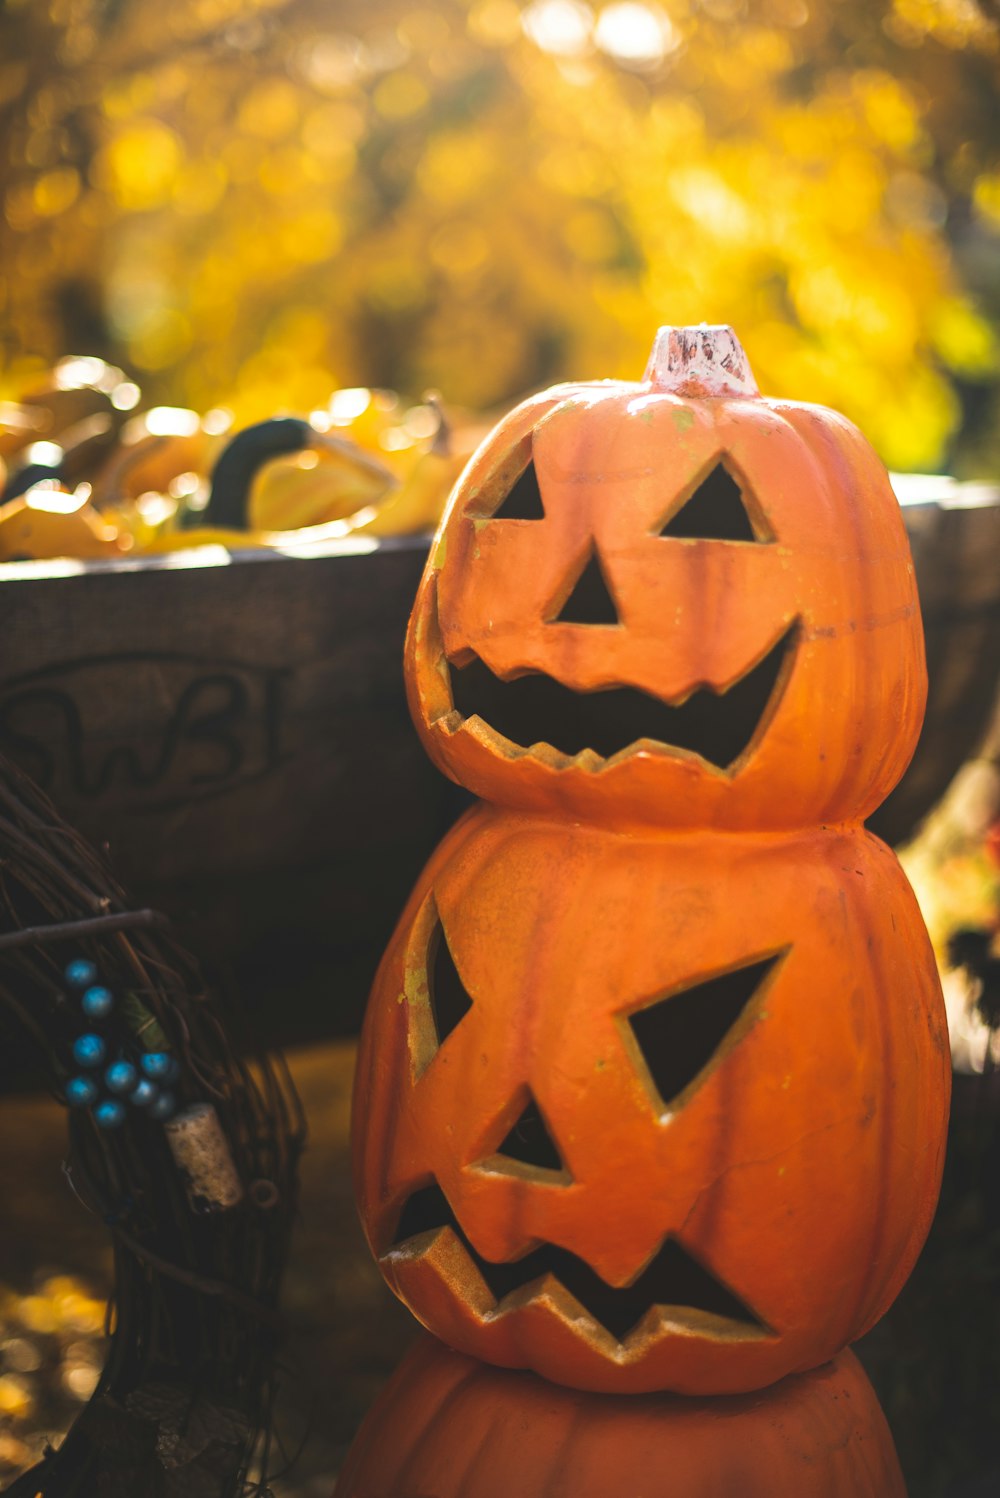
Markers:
point(704, 361)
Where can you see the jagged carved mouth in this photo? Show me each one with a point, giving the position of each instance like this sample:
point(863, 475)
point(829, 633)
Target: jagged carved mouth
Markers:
point(535, 708)
point(673, 1283)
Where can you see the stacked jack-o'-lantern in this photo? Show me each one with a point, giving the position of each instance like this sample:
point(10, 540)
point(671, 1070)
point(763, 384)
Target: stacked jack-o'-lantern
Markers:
point(653, 1085)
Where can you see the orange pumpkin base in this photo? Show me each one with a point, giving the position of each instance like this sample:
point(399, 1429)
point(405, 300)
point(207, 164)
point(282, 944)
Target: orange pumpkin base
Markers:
point(456, 1428)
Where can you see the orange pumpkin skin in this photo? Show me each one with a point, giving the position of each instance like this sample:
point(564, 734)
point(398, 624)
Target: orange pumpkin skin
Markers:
point(829, 575)
point(799, 1166)
point(449, 1426)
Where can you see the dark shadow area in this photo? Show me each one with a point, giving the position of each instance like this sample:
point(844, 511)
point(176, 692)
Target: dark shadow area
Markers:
point(934, 1358)
point(524, 500)
point(530, 1141)
point(450, 1002)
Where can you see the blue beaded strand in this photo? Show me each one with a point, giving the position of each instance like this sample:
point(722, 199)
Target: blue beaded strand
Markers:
point(139, 1084)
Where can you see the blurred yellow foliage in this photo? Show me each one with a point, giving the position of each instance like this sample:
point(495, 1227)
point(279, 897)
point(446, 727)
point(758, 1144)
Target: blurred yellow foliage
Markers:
point(258, 202)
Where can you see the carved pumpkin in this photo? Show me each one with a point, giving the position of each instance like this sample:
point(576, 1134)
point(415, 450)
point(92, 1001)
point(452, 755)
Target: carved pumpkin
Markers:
point(448, 1426)
point(658, 1111)
point(672, 602)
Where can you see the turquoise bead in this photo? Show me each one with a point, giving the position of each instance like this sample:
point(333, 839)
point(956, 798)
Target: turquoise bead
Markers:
point(89, 1050)
point(110, 1114)
point(159, 1065)
point(121, 1076)
point(97, 1002)
point(81, 1092)
point(164, 1107)
point(144, 1092)
point(80, 973)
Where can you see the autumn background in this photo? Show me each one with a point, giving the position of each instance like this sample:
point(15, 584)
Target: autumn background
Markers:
point(253, 203)
point(250, 204)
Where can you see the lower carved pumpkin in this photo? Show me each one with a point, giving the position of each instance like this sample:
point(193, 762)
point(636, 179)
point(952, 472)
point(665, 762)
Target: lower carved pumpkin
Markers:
point(452, 1427)
point(648, 1112)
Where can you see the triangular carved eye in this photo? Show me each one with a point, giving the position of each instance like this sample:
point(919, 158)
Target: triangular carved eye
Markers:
point(680, 1035)
point(590, 601)
point(450, 1002)
point(715, 512)
point(530, 1141)
point(524, 501)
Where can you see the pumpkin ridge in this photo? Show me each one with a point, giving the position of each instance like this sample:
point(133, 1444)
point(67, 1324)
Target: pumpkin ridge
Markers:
point(807, 1134)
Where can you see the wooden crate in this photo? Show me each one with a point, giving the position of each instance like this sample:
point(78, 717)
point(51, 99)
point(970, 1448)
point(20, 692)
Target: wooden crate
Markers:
point(954, 532)
point(234, 728)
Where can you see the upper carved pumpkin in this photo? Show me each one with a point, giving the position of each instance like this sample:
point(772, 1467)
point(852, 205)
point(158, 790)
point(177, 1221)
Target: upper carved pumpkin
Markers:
point(672, 602)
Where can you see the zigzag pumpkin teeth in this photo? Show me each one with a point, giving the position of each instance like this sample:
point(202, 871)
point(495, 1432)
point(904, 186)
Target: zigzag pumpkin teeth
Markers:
point(673, 1284)
point(587, 729)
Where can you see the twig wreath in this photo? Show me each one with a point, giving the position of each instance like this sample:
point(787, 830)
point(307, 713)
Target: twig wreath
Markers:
point(186, 1152)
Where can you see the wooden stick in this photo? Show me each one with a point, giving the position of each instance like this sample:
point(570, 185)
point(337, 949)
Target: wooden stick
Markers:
point(121, 920)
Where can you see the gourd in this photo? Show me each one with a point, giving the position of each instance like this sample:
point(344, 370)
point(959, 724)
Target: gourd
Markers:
point(47, 521)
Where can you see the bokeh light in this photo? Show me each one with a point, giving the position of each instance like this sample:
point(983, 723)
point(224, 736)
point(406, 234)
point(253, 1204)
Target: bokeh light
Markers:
point(250, 205)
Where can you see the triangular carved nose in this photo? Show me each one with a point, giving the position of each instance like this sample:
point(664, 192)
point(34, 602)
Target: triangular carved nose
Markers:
point(530, 1141)
point(590, 600)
